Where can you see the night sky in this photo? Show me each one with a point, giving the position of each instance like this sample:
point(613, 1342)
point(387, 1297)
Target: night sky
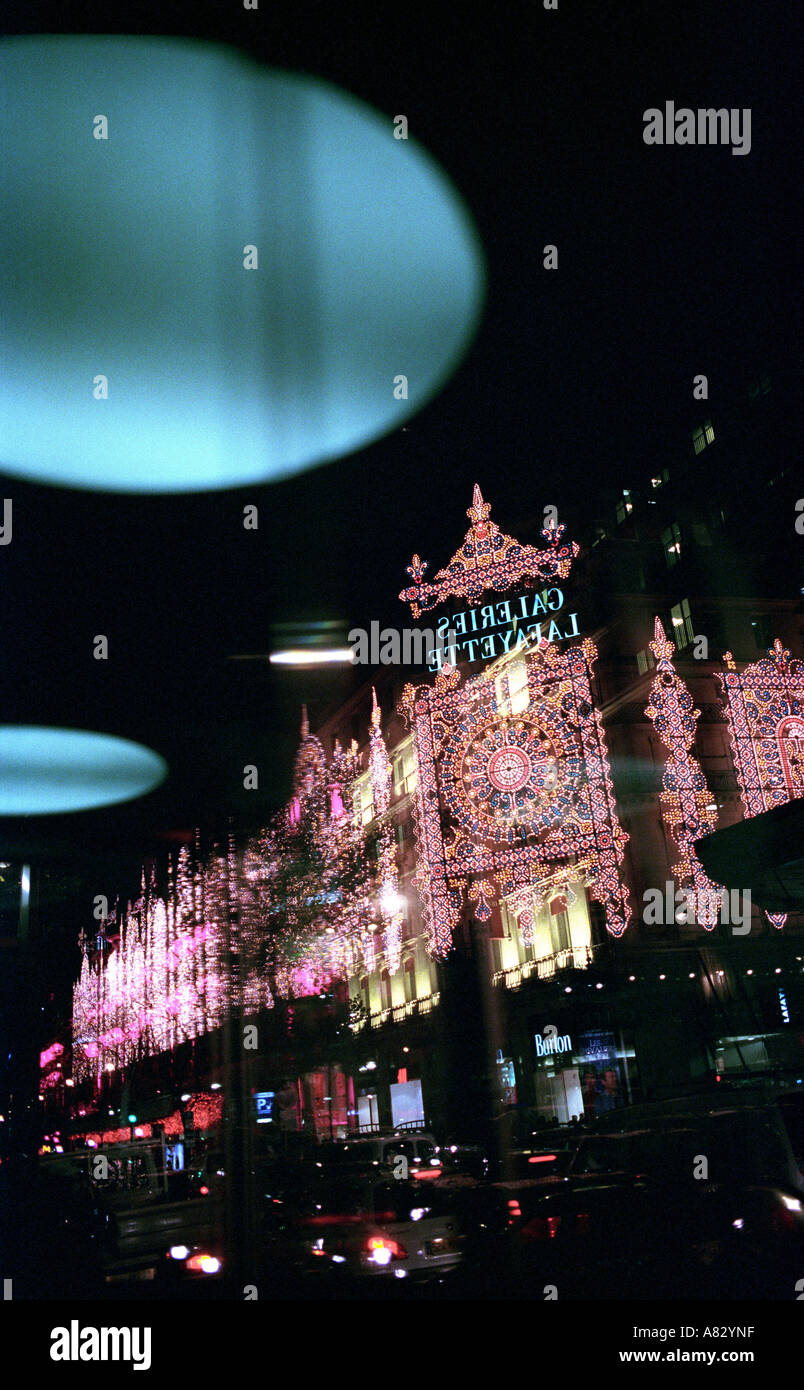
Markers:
point(672, 261)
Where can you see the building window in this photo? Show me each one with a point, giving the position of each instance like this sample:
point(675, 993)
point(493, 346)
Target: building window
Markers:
point(512, 698)
point(663, 477)
point(363, 800)
point(645, 659)
point(364, 995)
point(410, 979)
point(403, 761)
point(518, 687)
point(625, 506)
point(702, 436)
point(409, 922)
point(385, 990)
point(683, 631)
point(559, 925)
point(671, 544)
point(762, 631)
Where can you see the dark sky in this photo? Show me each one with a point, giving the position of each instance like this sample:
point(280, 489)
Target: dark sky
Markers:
point(672, 261)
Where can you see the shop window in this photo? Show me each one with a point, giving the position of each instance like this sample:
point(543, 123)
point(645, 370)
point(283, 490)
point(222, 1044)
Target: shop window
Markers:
point(385, 990)
point(409, 976)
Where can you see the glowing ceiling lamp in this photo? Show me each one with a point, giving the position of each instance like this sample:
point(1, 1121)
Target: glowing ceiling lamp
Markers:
point(312, 656)
point(44, 771)
point(222, 274)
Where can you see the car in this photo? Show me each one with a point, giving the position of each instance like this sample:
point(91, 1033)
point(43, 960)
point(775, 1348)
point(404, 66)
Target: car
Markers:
point(352, 1226)
point(404, 1155)
point(698, 1199)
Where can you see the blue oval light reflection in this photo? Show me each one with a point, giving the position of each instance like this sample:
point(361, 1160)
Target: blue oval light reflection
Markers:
point(44, 771)
point(123, 258)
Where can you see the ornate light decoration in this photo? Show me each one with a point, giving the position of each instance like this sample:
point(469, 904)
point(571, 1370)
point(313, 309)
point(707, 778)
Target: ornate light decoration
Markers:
point(381, 782)
point(488, 559)
point(685, 798)
point(508, 802)
point(764, 705)
point(163, 971)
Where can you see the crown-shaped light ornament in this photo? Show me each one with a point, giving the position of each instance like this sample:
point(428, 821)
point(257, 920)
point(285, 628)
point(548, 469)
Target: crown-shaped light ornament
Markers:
point(488, 560)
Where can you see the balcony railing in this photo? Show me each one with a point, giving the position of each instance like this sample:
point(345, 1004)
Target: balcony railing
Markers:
point(545, 967)
point(397, 1013)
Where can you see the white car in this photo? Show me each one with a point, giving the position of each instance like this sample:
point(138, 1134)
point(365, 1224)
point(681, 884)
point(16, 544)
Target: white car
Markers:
point(390, 1229)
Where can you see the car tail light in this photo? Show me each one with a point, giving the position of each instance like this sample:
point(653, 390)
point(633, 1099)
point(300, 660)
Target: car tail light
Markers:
point(583, 1222)
point(204, 1264)
point(382, 1250)
point(514, 1212)
point(542, 1158)
point(541, 1228)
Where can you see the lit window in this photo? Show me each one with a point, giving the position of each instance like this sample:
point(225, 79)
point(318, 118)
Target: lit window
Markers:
point(385, 990)
point(404, 766)
point(683, 631)
point(511, 690)
point(363, 800)
point(410, 980)
point(559, 925)
point(624, 508)
point(671, 544)
point(702, 436)
point(645, 659)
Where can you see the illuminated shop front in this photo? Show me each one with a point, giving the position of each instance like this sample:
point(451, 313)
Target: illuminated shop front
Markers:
point(581, 1075)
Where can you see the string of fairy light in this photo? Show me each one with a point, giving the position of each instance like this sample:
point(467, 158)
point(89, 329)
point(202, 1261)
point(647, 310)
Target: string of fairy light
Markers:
point(309, 899)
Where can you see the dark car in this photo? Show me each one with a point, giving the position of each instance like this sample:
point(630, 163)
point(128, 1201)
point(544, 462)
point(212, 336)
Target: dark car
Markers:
point(703, 1201)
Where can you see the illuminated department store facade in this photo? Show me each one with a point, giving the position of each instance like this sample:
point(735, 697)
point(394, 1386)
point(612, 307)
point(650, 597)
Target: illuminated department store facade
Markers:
point(529, 804)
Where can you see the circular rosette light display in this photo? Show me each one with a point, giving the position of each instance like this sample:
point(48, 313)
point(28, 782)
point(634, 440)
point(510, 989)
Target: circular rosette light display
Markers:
point(216, 274)
point(44, 771)
point(506, 780)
